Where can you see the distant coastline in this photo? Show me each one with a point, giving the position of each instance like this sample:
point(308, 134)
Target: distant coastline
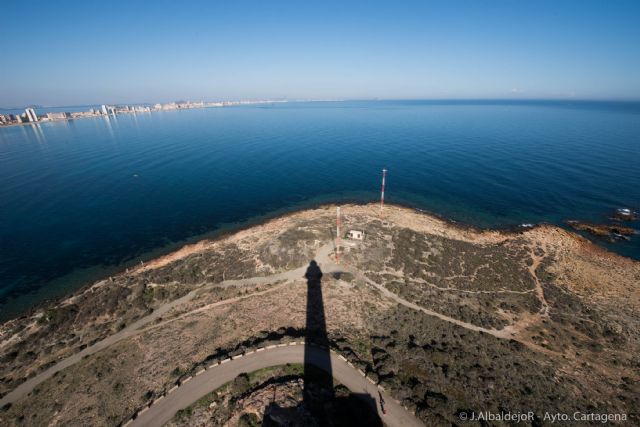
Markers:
point(31, 117)
point(71, 112)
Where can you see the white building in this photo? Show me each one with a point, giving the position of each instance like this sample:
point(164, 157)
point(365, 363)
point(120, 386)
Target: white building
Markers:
point(31, 115)
point(356, 234)
point(58, 116)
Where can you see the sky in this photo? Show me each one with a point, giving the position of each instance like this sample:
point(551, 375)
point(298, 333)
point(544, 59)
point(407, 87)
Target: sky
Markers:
point(77, 53)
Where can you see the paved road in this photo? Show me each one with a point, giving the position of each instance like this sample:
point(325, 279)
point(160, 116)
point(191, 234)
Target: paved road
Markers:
point(213, 378)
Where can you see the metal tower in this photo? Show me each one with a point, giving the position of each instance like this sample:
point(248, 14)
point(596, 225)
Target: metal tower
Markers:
point(384, 176)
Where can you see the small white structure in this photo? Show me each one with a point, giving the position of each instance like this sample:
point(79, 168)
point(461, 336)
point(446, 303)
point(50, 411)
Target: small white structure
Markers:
point(356, 234)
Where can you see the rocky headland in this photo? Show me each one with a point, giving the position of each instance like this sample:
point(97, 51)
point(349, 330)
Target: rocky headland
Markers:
point(445, 319)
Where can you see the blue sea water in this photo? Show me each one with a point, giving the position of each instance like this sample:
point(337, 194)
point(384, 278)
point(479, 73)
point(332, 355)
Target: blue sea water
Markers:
point(84, 198)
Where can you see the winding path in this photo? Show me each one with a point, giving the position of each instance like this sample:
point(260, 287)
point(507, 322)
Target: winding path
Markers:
point(163, 409)
point(328, 266)
point(138, 326)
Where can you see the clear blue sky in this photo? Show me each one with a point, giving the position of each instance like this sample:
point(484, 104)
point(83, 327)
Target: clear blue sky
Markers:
point(65, 53)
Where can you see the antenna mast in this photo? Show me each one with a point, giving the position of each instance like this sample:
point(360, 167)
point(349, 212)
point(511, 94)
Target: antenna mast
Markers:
point(338, 235)
point(384, 176)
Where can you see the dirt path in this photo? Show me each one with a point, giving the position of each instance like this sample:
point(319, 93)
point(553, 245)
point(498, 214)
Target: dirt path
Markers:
point(214, 305)
point(328, 265)
point(544, 311)
point(466, 291)
point(499, 333)
point(508, 332)
point(137, 327)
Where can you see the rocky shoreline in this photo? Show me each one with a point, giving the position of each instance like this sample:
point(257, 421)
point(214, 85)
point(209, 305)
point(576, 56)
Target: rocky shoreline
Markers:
point(612, 232)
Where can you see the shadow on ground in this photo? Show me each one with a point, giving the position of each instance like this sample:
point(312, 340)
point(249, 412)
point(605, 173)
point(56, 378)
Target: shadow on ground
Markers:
point(322, 404)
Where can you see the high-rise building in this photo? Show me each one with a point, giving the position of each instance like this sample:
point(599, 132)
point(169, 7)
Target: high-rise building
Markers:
point(31, 115)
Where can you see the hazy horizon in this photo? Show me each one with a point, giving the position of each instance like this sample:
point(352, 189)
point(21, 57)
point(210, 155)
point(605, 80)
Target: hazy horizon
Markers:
point(132, 52)
point(444, 100)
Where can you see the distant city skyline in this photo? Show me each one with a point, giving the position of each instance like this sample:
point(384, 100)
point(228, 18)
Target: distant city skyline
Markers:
point(77, 53)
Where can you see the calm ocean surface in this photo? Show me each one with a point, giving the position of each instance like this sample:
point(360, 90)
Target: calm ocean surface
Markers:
point(81, 199)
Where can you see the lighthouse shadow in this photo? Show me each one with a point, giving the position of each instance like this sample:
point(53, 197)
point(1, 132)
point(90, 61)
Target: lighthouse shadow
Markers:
point(323, 403)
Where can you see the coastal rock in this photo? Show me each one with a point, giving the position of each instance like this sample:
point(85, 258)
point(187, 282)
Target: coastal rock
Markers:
point(625, 214)
point(612, 232)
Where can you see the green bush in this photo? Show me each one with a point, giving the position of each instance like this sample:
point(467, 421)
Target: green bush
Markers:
point(241, 383)
point(249, 420)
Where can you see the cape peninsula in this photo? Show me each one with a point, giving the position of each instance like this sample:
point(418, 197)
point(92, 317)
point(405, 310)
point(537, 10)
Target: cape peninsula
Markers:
point(416, 321)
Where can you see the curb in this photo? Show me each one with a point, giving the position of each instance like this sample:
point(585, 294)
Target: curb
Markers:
point(213, 365)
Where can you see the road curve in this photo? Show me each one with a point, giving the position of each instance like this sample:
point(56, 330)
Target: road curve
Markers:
point(164, 409)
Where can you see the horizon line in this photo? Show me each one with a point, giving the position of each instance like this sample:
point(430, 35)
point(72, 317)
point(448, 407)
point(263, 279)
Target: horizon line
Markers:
point(374, 99)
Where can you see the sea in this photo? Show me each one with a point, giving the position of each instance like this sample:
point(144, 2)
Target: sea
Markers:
point(84, 199)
